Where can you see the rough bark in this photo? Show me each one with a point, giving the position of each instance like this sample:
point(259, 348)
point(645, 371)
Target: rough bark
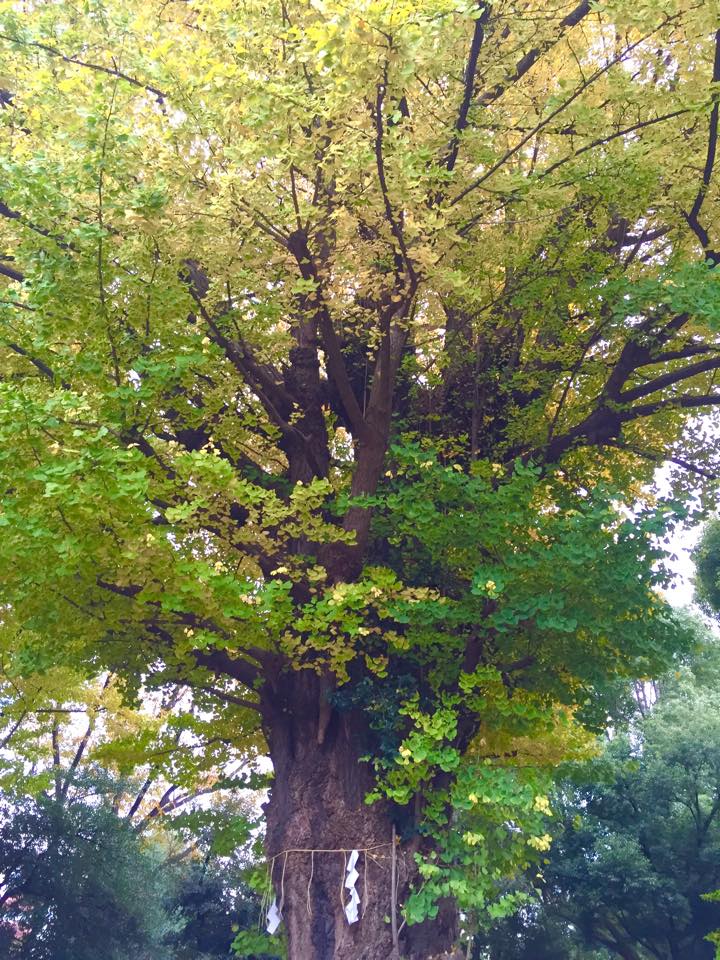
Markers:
point(318, 804)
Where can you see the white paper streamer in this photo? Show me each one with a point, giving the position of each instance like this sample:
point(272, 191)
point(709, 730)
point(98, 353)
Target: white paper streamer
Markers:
point(351, 878)
point(274, 917)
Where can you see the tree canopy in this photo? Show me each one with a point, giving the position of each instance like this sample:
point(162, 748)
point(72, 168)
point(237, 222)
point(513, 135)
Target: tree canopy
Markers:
point(340, 341)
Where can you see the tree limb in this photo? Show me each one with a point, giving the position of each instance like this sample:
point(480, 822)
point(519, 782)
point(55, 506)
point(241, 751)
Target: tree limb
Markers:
point(82, 746)
point(664, 458)
point(11, 274)
point(39, 364)
point(529, 59)
point(601, 141)
point(97, 67)
point(335, 361)
point(394, 224)
point(693, 216)
point(227, 697)
point(470, 72)
point(220, 661)
point(686, 402)
point(668, 379)
point(10, 214)
point(601, 71)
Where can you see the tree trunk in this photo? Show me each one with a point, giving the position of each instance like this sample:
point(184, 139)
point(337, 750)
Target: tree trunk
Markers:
point(316, 816)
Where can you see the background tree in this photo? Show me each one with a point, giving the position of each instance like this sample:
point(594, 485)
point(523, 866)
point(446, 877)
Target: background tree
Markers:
point(78, 882)
point(154, 759)
point(637, 842)
point(97, 797)
point(76, 885)
point(334, 337)
point(706, 557)
point(221, 886)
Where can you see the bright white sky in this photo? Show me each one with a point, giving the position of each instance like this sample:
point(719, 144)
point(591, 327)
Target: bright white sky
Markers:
point(680, 545)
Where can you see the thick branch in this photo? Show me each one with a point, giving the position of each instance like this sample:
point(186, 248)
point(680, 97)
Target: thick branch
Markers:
point(686, 402)
point(10, 214)
point(601, 141)
point(135, 806)
point(603, 426)
point(217, 661)
point(668, 379)
point(220, 662)
point(38, 364)
point(271, 395)
point(529, 59)
point(683, 353)
point(13, 729)
point(665, 458)
point(693, 216)
point(393, 222)
point(470, 71)
point(601, 71)
point(333, 353)
point(57, 774)
point(6, 271)
point(83, 745)
point(226, 697)
point(372, 447)
point(266, 383)
point(166, 805)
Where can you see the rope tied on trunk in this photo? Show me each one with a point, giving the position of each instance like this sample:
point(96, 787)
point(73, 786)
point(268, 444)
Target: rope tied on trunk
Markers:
point(274, 911)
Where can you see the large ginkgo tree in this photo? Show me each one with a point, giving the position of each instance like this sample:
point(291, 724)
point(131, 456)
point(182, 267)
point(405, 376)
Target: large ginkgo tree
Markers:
point(339, 341)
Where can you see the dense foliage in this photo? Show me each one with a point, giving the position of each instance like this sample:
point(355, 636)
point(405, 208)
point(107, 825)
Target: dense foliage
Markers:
point(70, 881)
point(706, 558)
point(79, 882)
point(122, 816)
point(339, 344)
point(637, 840)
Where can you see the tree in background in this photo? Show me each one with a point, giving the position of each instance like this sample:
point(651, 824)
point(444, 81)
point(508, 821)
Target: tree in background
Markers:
point(77, 885)
point(79, 882)
point(638, 839)
point(94, 832)
point(334, 338)
point(221, 887)
point(155, 759)
point(706, 557)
